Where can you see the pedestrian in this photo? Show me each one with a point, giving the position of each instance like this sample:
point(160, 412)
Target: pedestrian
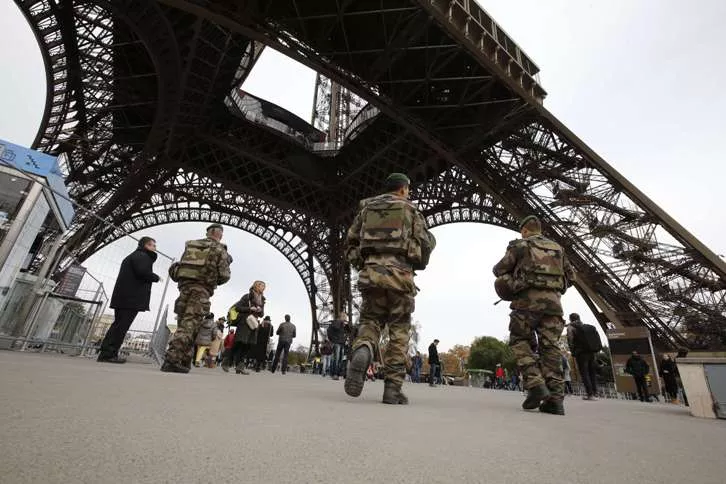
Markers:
point(499, 374)
point(338, 333)
point(386, 243)
point(566, 374)
point(204, 338)
point(637, 367)
point(131, 295)
point(286, 332)
point(248, 309)
point(669, 372)
point(585, 344)
point(533, 274)
point(203, 266)
point(264, 333)
point(434, 362)
point(217, 343)
point(326, 350)
point(416, 364)
point(228, 342)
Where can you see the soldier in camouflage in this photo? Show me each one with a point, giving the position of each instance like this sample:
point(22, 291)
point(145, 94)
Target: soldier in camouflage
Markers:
point(203, 266)
point(539, 273)
point(386, 243)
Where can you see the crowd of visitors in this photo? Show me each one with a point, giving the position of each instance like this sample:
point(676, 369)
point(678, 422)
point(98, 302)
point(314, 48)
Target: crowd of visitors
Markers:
point(247, 344)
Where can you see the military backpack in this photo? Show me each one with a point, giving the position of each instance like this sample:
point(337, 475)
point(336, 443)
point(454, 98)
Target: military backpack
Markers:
point(193, 263)
point(385, 226)
point(387, 229)
point(543, 265)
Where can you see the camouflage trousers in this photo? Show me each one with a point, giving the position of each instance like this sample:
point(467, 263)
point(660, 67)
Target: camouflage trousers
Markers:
point(386, 308)
point(545, 365)
point(190, 307)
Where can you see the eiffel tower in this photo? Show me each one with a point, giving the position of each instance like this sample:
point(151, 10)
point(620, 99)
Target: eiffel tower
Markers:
point(144, 99)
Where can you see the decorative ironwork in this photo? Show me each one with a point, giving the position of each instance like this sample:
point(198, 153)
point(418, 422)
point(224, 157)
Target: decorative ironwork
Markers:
point(143, 99)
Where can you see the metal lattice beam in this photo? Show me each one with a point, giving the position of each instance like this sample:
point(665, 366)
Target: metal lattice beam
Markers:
point(143, 101)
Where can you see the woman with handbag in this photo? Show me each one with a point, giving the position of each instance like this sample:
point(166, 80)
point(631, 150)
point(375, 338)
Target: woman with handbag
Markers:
point(249, 309)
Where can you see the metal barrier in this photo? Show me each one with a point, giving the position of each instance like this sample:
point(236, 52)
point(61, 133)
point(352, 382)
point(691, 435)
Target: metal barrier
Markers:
point(44, 309)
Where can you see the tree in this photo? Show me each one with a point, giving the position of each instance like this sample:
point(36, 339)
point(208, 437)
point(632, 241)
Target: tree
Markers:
point(486, 352)
point(455, 359)
point(298, 356)
point(414, 337)
point(451, 363)
point(461, 351)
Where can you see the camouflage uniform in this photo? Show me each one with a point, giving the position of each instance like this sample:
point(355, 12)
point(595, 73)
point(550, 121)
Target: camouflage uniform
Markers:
point(537, 310)
point(386, 271)
point(204, 266)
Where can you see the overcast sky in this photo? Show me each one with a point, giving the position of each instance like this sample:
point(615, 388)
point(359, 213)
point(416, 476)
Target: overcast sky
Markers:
point(640, 82)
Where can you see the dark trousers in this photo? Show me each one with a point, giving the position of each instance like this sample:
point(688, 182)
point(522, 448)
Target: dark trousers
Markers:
point(642, 386)
point(236, 355)
point(433, 374)
point(588, 372)
point(261, 356)
point(114, 339)
point(283, 347)
point(337, 359)
point(671, 386)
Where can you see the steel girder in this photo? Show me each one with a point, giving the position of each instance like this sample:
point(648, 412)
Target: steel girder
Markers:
point(188, 197)
point(454, 95)
point(464, 125)
point(642, 273)
point(125, 85)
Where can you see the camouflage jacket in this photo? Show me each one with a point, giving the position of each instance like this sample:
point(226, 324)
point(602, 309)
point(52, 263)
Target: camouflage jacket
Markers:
point(387, 271)
point(536, 300)
point(215, 271)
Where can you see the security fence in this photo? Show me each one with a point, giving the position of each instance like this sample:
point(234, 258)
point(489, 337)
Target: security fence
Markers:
point(53, 303)
point(69, 313)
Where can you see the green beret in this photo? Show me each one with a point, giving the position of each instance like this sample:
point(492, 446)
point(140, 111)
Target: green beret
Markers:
point(527, 219)
point(398, 178)
point(215, 226)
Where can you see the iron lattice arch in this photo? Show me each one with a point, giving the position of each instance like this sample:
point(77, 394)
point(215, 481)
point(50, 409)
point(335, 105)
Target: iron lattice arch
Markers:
point(144, 101)
point(187, 197)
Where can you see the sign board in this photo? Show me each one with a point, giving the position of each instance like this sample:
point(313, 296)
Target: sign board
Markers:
point(622, 343)
point(70, 281)
point(41, 164)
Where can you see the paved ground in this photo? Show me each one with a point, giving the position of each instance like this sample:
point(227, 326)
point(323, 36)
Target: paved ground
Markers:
point(70, 420)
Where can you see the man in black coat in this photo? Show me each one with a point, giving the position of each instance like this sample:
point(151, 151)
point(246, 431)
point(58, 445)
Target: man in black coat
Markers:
point(131, 295)
point(434, 362)
point(639, 369)
point(584, 349)
point(338, 333)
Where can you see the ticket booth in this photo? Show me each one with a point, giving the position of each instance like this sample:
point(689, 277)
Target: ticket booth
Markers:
point(34, 211)
point(622, 343)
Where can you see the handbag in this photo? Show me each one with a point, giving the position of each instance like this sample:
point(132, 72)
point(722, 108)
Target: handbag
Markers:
point(252, 322)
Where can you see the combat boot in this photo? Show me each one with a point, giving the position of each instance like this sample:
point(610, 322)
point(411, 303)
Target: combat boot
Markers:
point(171, 368)
point(535, 395)
point(393, 395)
point(555, 407)
point(356, 372)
